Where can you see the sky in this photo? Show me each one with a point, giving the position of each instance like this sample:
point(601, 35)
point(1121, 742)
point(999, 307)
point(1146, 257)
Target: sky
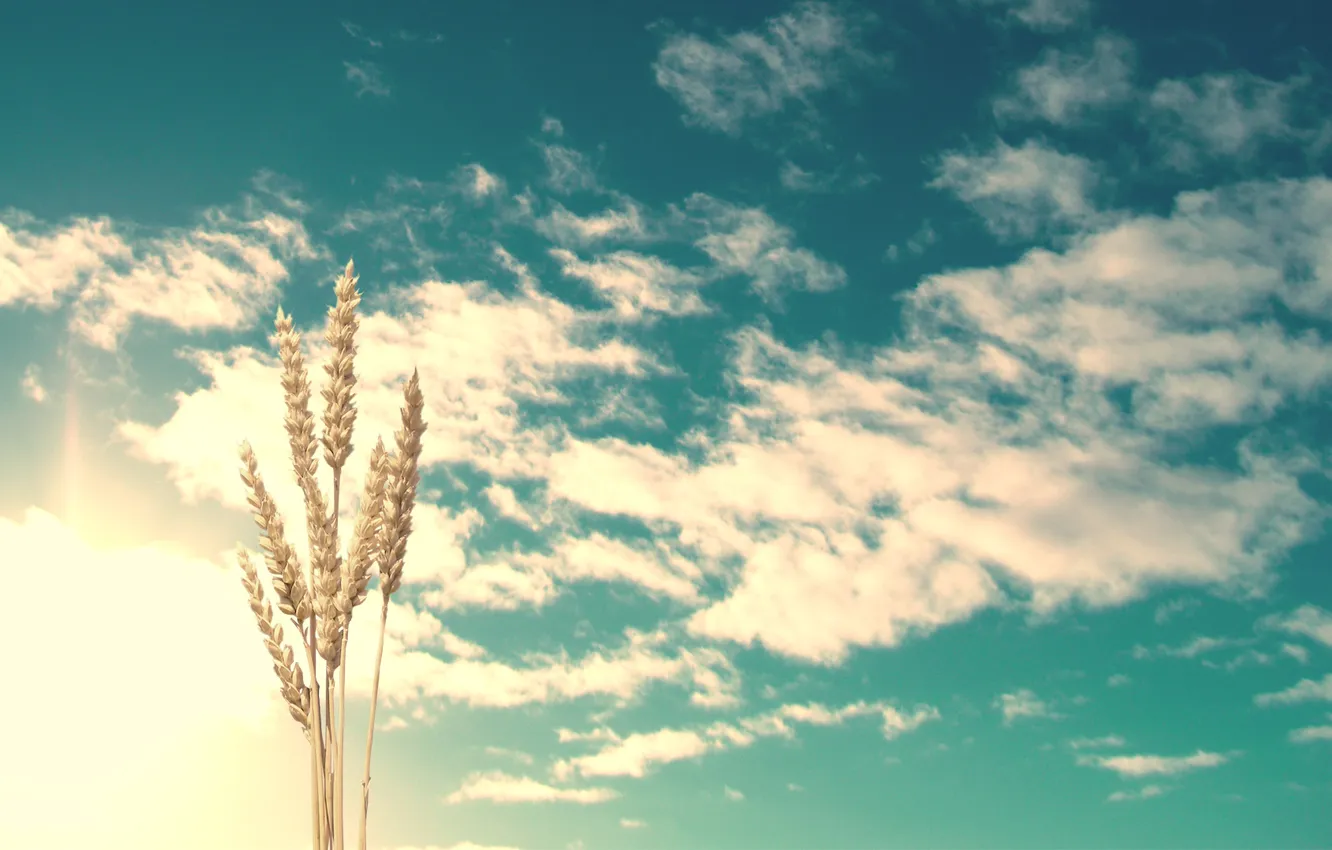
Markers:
point(896, 425)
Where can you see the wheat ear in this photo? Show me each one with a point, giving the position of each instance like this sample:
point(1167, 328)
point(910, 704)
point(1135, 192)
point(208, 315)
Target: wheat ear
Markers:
point(395, 526)
point(293, 599)
point(293, 688)
point(299, 424)
point(339, 419)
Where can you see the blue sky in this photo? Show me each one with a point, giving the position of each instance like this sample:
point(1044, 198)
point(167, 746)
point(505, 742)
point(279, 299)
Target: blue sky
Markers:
point(850, 426)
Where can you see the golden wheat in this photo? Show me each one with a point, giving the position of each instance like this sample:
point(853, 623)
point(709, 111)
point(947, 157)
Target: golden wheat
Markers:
point(320, 603)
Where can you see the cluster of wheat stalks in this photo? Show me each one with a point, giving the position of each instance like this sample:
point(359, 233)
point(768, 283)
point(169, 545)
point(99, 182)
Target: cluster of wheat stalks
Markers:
point(320, 601)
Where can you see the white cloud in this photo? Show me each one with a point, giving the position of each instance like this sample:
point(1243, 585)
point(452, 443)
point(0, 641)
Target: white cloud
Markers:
point(1309, 734)
point(1092, 743)
point(631, 823)
point(155, 726)
point(1166, 610)
point(792, 495)
point(500, 787)
point(1118, 680)
point(1066, 85)
point(1042, 15)
point(1219, 116)
point(1133, 767)
point(565, 228)
point(357, 32)
point(732, 794)
point(479, 183)
point(726, 83)
point(552, 126)
point(1021, 191)
point(1299, 653)
point(1144, 793)
point(1023, 703)
point(1308, 620)
point(636, 755)
point(747, 241)
point(1304, 690)
point(215, 276)
point(567, 170)
point(367, 77)
point(636, 285)
point(32, 384)
point(1195, 647)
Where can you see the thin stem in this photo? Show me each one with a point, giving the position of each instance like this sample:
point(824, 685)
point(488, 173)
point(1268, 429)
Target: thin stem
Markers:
point(342, 729)
point(342, 683)
point(317, 733)
point(370, 734)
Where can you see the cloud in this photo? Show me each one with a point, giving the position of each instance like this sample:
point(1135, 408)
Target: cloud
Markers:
point(1133, 767)
point(636, 755)
point(567, 170)
point(1309, 734)
point(1023, 703)
point(724, 84)
point(358, 33)
point(1167, 610)
point(1304, 690)
point(1145, 793)
point(479, 183)
point(1216, 116)
point(1299, 653)
point(1093, 743)
point(367, 77)
point(732, 794)
point(843, 178)
point(1308, 620)
point(632, 756)
point(917, 244)
point(1041, 15)
point(569, 229)
point(1118, 680)
point(1198, 645)
point(32, 384)
point(217, 275)
point(747, 241)
point(636, 285)
point(499, 787)
point(631, 823)
point(1065, 86)
point(1021, 191)
point(1024, 439)
point(552, 126)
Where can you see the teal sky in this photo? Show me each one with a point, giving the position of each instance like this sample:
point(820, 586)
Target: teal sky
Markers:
point(896, 425)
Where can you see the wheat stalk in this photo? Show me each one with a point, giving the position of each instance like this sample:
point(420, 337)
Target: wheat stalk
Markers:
point(321, 603)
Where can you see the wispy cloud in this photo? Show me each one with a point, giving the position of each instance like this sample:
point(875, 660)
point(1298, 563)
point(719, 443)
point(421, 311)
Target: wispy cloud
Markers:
point(1144, 793)
point(1067, 85)
point(1023, 703)
point(1305, 690)
point(1133, 767)
point(1040, 15)
point(1021, 191)
point(32, 384)
point(725, 83)
point(499, 787)
point(367, 77)
point(1307, 620)
point(1309, 734)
